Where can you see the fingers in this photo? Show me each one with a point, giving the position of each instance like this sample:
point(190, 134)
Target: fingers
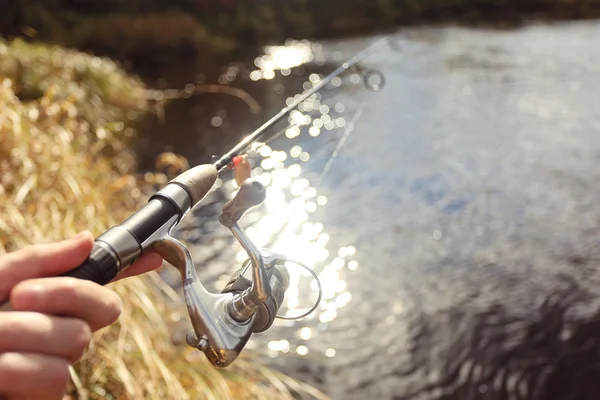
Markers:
point(55, 258)
point(30, 332)
point(148, 262)
point(43, 260)
point(96, 305)
point(22, 376)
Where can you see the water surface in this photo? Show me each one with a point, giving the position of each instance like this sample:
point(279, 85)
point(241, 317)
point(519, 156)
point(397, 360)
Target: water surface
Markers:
point(478, 157)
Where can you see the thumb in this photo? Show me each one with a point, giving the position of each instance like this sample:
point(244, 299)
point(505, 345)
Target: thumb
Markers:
point(43, 260)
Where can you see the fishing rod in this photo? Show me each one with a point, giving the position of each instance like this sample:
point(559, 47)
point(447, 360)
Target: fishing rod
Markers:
point(254, 136)
point(222, 323)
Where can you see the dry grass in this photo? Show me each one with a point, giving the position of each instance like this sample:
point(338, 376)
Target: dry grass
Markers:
point(65, 118)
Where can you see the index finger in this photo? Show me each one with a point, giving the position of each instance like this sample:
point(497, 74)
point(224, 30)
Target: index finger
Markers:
point(42, 261)
point(64, 296)
point(149, 261)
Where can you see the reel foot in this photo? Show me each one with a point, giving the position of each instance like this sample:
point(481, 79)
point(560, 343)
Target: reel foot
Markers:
point(200, 344)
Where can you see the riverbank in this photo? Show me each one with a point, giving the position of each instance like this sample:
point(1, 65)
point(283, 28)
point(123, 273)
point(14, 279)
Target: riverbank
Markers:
point(150, 36)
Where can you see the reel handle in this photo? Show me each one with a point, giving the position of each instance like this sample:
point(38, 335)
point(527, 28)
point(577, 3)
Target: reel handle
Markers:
point(251, 194)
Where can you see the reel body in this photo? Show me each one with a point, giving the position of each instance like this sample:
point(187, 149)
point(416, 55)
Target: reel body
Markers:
point(222, 323)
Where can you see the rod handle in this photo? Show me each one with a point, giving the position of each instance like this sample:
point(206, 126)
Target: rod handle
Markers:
point(101, 266)
point(197, 181)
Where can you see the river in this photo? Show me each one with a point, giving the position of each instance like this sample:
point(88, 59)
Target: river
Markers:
point(477, 159)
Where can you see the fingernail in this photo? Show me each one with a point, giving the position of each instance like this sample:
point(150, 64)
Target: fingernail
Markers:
point(80, 235)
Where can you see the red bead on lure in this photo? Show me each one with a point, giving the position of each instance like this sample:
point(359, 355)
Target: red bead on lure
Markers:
point(241, 169)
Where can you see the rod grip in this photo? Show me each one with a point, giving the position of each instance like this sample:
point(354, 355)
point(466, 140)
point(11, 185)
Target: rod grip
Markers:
point(197, 181)
point(100, 267)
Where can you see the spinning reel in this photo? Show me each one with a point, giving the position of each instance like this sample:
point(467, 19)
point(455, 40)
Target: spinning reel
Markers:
point(224, 322)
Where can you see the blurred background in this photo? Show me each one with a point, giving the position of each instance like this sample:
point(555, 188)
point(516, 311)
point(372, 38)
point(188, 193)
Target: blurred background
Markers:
point(472, 169)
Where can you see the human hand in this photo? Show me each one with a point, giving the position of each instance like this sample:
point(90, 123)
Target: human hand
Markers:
point(53, 317)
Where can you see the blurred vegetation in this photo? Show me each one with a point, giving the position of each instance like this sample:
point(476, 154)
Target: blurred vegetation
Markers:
point(153, 33)
point(65, 122)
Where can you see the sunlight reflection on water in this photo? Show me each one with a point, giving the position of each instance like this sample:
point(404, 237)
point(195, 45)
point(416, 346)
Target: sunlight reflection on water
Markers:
point(287, 221)
point(286, 228)
point(283, 58)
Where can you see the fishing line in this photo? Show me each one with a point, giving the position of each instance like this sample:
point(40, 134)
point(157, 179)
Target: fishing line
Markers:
point(347, 131)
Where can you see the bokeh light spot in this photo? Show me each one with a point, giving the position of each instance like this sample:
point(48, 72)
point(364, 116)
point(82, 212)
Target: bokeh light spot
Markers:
point(295, 151)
